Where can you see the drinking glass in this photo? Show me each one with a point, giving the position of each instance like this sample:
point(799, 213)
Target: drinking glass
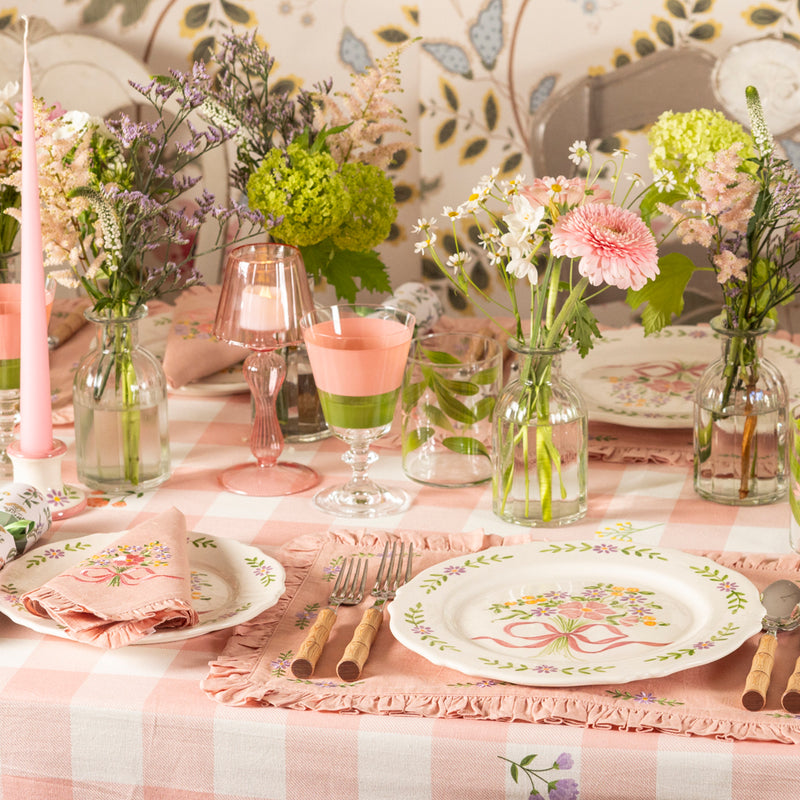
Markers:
point(358, 354)
point(264, 293)
point(10, 317)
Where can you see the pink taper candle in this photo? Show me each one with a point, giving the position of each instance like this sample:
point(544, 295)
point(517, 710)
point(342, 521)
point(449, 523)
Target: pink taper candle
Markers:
point(35, 405)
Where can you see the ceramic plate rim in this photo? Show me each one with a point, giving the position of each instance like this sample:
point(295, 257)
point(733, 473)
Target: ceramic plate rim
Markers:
point(413, 603)
point(246, 584)
point(575, 369)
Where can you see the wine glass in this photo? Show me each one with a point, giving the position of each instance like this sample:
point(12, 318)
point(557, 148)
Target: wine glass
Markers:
point(264, 293)
point(358, 354)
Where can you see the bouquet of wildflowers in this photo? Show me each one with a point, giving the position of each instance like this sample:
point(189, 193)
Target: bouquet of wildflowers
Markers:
point(119, 215)
point(565, 241)
point(317, 164)
point(731, 193)
point(118, 212)
point(10, 162)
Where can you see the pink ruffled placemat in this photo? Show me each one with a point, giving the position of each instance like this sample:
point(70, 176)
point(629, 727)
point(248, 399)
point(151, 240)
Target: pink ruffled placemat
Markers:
point(704, 701)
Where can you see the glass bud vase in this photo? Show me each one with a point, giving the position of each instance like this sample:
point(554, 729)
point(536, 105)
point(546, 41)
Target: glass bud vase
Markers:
point(120, 400)
point(740, 419)
point(539, 444)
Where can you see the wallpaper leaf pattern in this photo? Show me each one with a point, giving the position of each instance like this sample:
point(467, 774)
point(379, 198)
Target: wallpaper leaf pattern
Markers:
point(475, 80)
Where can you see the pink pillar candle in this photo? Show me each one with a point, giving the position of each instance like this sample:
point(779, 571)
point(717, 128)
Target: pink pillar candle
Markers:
point(36, 425)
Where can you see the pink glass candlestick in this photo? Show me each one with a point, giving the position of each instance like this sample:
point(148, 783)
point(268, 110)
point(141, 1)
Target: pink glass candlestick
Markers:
point(264, 293)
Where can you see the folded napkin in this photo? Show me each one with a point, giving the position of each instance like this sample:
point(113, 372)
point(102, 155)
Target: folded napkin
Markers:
point(139, 584)
point(703, 701)
point(192, 351)
point(66, 319)
point(24, 519)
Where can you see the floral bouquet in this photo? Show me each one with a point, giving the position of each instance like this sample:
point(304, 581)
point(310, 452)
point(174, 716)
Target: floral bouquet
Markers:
point(10, 162)
point(565, 241)
point(119, 218)
point(730, 193)
point(317, 164)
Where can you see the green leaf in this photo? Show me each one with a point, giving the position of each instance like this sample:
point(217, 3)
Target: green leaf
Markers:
point(485, 376)
point(412, 393)
point(648, 207)
point(392, 35)
point(644, 46)
point(583, 328)
point(474, 148)
point(511, 164)
point(700, 6)
point(703, 33)
point(675, 7)
point(664, 294)
point(437, 417)
point(236, 13)
point(196, 16)
point(454, 408)
point(665, 33)
point(450, 95)
point(762, 16)
point(464, 388)
point(347, 271)
point(483, 408)
point(445, 132)
point(490, 111)
point(465, 446)
point(440, 357)
point(414, 439)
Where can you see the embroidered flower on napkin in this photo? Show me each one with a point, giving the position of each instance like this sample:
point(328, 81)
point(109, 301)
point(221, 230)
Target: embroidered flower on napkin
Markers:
point(138, 584)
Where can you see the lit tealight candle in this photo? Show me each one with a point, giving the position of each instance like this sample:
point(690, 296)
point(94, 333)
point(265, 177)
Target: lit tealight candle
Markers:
point(262, 309)
point(36, 424)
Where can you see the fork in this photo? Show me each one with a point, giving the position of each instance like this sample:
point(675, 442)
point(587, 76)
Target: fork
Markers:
point(347, 591)
point(391, 575)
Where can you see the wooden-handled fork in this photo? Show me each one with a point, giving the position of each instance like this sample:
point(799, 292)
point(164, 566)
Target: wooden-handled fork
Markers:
point(347, 591)
point(394, 570)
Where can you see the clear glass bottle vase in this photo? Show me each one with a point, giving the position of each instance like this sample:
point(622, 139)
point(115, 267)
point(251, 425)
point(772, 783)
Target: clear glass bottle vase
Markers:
point(120, 400)
point(740, 419)
point(539, 444)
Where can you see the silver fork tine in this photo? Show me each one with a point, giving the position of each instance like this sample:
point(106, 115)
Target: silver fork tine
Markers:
point(391, 576)
point(348, 590)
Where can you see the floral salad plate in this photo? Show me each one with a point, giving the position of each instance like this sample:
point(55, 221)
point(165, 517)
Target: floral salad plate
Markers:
point(231, 582)
point(640, 381)
point(575, 613)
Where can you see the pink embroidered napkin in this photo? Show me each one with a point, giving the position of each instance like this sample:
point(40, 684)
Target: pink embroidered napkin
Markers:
point(138, 584)
point(705, 701)
point(192, 351)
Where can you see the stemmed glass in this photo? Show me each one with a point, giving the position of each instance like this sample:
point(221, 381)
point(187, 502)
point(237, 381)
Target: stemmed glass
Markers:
point(358, 354)
point(264, 293)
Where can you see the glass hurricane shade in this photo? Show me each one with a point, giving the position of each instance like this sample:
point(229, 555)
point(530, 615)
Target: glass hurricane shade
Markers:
point(264, 294)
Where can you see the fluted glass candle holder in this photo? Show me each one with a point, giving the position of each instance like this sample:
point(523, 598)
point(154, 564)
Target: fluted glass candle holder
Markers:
point(264, 294)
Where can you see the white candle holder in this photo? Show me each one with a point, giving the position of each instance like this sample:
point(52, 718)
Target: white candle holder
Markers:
point(44, 472)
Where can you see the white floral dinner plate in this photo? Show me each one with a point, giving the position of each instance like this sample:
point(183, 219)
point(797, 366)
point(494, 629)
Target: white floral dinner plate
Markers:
point(575, 613)
point(227, 381)
point(231, 582)
point(646, 381)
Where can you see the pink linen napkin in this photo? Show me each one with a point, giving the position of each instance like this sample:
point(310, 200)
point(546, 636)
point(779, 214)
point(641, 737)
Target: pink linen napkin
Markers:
point(704, 701)
point(138, 584)
point(192, 351)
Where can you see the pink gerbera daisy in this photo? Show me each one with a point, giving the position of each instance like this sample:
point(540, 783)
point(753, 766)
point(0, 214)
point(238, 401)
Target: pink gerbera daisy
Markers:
point(613, 244)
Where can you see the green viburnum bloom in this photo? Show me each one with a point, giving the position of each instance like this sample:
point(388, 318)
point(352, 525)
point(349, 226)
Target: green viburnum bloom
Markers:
point(303, 187)
point(682, 143)
point(372, 207)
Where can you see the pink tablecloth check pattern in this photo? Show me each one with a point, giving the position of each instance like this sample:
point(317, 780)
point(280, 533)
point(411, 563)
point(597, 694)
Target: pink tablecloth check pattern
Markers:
point(701, 701)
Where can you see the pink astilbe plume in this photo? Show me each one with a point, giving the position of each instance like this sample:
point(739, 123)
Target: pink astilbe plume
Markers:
point(369, 114)
point(613, 244)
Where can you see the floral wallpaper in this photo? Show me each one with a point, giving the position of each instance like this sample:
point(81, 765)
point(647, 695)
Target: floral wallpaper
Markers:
point(475, 71)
